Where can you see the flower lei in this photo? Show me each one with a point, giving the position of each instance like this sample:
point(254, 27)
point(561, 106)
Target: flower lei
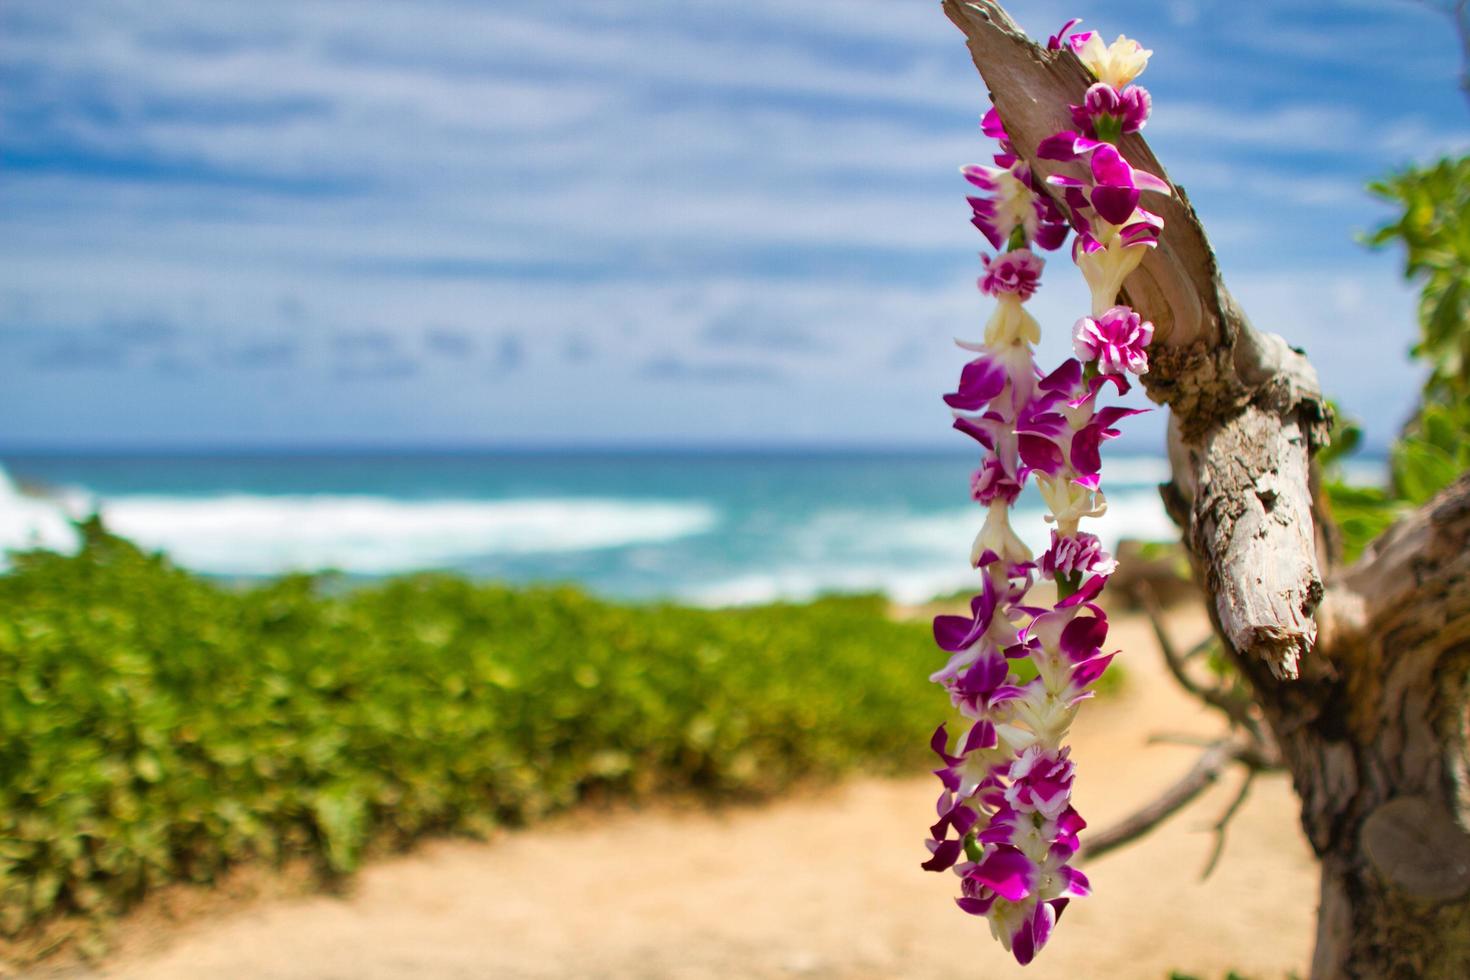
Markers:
point(1006, 823)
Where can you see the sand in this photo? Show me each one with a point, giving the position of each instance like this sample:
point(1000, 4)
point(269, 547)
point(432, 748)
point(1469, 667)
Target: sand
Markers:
point(826, 884)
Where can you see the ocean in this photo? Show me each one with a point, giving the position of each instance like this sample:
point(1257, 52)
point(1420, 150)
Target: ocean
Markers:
point(710, 528)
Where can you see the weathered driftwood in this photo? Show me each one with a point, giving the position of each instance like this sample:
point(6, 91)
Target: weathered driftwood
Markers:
point(1372, 717)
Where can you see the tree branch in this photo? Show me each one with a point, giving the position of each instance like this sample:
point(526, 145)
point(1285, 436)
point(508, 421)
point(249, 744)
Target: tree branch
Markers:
point(1429, 541)
point(1201, 776)
point(1236, 708)
point(1224, 822)
point(1181, 738)
point(1412, 583)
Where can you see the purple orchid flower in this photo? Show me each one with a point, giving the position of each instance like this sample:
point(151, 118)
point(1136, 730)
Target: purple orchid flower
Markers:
point(1054, 43)
point(1036, 929)
point(1006, 872)
point(1042, 441)
point(964, 637)
point(1017, 272)
point(1081, 554)
point(981, 382)
point(1012, 201)
point(1118, 341)
point(1068, 387)
point(992, 127)
point(1084, 452)
point(997, 434)
point(991, 482)
point(1106, 113)
point(979, 690)
point(1116, 184)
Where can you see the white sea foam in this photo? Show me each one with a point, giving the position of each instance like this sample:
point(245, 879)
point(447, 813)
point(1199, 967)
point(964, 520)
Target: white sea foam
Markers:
point(1131, 514)
point(262, 535)
point(251, 535)
point(1136, 471)
point(34, 522)
point(909, 558)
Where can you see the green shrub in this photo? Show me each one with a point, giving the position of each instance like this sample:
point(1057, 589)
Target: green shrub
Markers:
point(1434, 447)
point(156, 726)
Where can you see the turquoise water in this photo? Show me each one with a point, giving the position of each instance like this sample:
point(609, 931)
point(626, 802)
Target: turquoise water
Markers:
point(714, 528)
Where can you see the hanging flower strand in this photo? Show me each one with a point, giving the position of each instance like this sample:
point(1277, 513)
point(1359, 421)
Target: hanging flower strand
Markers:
point(1006, 825)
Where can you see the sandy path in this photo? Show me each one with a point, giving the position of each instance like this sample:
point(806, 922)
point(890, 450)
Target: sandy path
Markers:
point(823, 886)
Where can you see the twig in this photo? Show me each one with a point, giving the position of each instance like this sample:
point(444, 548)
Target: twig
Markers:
point(1145, 594)
point(1201, 648)
point(1224, 821)
point(1237, 709)
point(1182, 738)
point(1205, 771)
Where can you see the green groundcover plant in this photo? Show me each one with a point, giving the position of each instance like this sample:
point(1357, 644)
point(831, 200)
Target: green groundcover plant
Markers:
point(156, 726)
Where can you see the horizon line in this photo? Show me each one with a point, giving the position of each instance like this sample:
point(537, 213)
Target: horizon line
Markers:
point(629, 448)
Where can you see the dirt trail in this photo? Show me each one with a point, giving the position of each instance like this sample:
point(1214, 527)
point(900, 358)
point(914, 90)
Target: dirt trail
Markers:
point(823, 886)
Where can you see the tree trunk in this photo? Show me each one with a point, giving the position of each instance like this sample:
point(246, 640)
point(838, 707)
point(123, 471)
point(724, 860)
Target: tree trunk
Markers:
point(1372, 717)
point(1382, 766)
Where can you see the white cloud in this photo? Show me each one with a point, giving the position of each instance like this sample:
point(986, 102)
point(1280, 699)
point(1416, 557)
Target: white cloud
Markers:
point(612, 176)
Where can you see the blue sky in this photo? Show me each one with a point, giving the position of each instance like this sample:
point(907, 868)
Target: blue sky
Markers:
point(615, 222)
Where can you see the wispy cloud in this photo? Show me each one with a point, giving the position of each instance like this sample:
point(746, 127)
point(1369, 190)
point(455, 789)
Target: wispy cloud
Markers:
point(450, 342)
point(669, 368)
point(259, 353)
point(223, 206)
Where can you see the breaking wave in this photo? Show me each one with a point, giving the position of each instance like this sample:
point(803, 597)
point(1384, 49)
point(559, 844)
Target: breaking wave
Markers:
point(245, 534)
point(909, 558)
